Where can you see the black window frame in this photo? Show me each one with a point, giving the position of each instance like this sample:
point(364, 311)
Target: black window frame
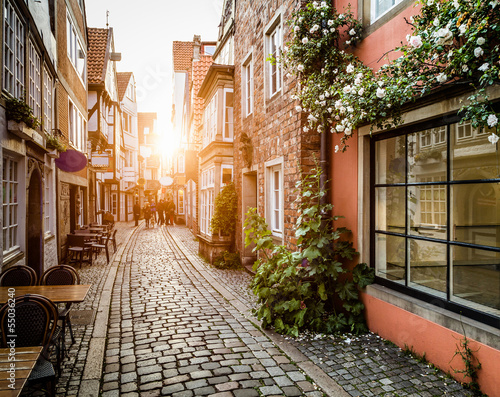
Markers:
point(434, 300)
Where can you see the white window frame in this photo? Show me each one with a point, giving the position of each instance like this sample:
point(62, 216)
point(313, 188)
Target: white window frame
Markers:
point(48, 100)
point(273, 47)
point(75, 49)
point(11, 174)
point(247, 86)
point(210, 120)
point(228, 130)
point(373, 8)
point(275, 197)
point(77, 127)
point(207, 199)
point(13, 52)
point(48, 201)
point(35, 80)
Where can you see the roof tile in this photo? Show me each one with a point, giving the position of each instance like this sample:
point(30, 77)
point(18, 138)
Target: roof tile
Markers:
point(98, 42)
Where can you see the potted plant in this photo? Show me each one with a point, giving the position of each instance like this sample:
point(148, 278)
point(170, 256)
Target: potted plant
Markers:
point(54, 142)
point(20, 118)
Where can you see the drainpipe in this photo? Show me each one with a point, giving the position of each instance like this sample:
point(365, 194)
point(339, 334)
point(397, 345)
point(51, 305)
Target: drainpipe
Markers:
point(323, 163)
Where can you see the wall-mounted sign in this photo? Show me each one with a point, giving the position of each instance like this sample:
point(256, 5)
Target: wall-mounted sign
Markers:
point(166, 181)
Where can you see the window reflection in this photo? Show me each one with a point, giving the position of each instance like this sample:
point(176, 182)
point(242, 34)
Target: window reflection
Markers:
point(390, 261)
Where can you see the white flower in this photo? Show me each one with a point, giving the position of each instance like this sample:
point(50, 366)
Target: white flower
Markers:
point(335, 71)
point(462, 29)
point(380, 93)
point(412, 19)
point(361, 91)
point(493, 3)
point(312, 118)
point(330, 110)
point(347, 89)
point(315, 4)
point(350, 68)
point(450, 53)
point(484, 67)
point(445, 37)
point(332, 30)
point(348, 42)
point(342, 110)
point(301, 19)
point(348, 131)
point(415, 41)
point(441, 77)
point(320, 128)
point(481, 40)
point(357, 81)
point(298, 109)
point(465, 68)
point(314, 28)
point(327, 94)
point(493, 138)
point(323, 4)
point(336, 147)
point(430, 2)
point(492, 121)
point(380, 83)
point(300, 68)
point(341, 16)
point(321, 97)
point(325, 31)
point(478, 51)
point(338, 104)
point(305, 40)
point(352, 32)
point(323, 103)
point(305, 129)
point(350, 109)
point(455, 4)
point(339, 128)
point(296, 29)
point(337, 117)
point(436, 22)
point(359, 75)
point(330, 22)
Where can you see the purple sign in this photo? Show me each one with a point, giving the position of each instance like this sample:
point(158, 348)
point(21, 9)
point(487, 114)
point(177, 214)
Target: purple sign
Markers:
point(71, 161)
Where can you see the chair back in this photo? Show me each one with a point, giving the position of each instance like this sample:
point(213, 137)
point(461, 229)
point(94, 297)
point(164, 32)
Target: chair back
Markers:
point(36, 319)
point(60, 275)
point(81, 231)
point(75, 240)
point(18, 275)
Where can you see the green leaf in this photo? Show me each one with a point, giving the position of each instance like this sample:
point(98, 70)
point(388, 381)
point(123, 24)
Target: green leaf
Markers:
point(347, 290)
point(322, 292)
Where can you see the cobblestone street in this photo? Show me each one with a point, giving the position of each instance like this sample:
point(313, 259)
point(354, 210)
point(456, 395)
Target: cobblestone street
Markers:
point(160, 321)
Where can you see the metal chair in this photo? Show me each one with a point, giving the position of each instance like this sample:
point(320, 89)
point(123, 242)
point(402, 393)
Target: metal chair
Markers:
point(113, 240)
point(77, 249)
point(62, 275)
point(18, 275)
point(36, 321)
point(98, 247)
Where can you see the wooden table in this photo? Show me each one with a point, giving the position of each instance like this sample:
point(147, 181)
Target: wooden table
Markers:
point(56, 293)
point(25, 360)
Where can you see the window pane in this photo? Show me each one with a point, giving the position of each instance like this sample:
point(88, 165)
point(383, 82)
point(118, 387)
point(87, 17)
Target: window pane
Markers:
point(427, 155)
point(476, 279)
point(390, 206)
point(427, 211)
point(427, 266)
point(390, 164)
point(473, 158)
point(390, 257)
point(476, 213)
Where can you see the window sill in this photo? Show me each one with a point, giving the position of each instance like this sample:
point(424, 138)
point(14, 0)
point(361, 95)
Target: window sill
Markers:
point(12, 257)
point(475, 330)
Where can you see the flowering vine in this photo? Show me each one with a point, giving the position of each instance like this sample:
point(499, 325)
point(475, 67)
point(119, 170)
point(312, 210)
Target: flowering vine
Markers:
point(452, 42)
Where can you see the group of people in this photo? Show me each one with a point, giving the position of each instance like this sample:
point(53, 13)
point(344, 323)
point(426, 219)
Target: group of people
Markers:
point(161, 213)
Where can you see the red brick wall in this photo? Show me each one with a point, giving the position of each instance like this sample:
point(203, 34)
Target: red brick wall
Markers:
point(275, 128)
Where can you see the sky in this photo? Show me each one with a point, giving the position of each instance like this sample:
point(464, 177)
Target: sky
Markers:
point(144, 31)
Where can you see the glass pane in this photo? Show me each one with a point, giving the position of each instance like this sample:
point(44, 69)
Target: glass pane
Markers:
point(427, 266)
point(427, 155)
point(390, 257)
point(472, 155)
point(390, 164)
point(427, 211)
point(476, 279)
point(476, 213)
point(390, 207)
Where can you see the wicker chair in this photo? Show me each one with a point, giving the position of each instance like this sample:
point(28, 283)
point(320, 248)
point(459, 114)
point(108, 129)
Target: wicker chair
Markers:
point(36, 321)
point(18, 275)
point(62, 275)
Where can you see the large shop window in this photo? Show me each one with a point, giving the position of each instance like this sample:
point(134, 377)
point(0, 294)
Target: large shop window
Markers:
point(10, 204)
point(437, 217)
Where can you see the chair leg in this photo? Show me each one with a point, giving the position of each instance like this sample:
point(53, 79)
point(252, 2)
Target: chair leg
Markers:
point(107, 254)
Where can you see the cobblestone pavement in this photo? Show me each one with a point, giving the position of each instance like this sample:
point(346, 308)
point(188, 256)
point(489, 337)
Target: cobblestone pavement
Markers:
point(364, 366)
point(171, 333)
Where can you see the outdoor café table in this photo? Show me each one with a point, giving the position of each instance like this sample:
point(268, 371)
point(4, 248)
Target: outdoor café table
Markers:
point(25, 360)
point(56, 293)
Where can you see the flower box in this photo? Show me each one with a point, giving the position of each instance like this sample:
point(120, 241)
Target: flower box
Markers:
point(20, 129)
point(54, 153)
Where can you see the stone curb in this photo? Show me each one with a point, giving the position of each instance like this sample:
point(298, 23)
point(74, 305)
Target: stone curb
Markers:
point(326, 383)
point(92, 373)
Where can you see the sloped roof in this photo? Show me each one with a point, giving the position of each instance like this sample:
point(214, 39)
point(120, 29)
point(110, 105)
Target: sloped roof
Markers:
point(200, 69)
point(182, 55)
point(98, 47)
point(123, 80)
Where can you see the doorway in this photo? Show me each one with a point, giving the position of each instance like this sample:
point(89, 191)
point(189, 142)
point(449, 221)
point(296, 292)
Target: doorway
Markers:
point(34, 224)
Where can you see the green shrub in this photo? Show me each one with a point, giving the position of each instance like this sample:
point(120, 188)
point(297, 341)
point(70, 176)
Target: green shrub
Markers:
point(228, 260)
point(19, 111)
point(225, 211)
point(312, 288)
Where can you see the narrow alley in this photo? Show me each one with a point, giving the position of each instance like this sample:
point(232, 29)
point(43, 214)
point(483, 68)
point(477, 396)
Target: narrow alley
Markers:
point(160, 321)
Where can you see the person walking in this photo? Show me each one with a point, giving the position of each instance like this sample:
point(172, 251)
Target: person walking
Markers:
point(147, 213)
point(171, 211)
point(137, 212)
point(161, 212)
point(153, 211)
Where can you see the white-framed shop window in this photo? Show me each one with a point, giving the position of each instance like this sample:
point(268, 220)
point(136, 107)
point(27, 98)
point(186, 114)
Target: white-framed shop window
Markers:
point(35, 80)
point(10, 204)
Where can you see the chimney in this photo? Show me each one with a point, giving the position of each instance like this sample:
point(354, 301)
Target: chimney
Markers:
point(196, 47)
